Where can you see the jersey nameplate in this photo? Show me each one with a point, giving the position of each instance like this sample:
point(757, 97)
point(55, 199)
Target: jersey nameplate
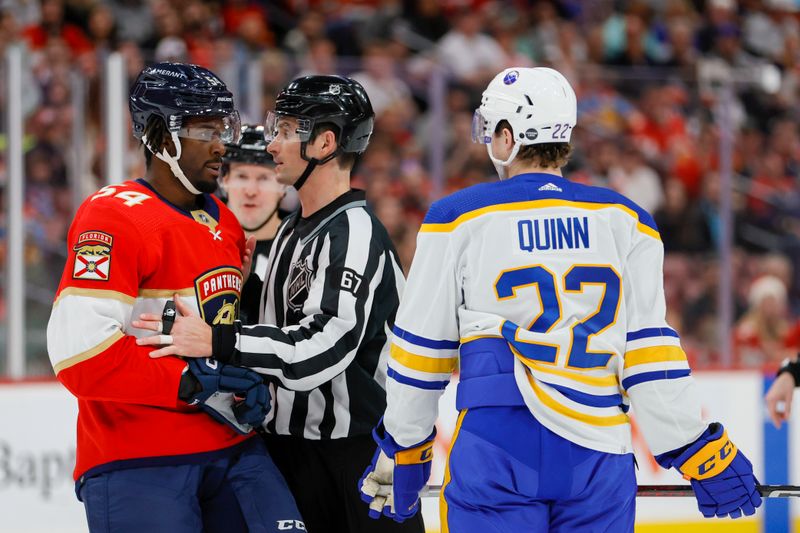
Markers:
point(554, 234)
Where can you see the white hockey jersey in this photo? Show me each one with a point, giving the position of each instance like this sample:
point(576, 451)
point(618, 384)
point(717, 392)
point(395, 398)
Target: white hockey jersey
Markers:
point(550, 290)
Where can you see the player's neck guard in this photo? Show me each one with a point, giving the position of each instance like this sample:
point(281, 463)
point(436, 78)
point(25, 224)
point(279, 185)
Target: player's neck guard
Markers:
point(500, 165)
point(173, 162)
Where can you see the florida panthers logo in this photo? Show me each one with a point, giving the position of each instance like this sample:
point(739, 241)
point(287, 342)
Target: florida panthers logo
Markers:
point(92, 256)
point(299, 282)
point(218, 293)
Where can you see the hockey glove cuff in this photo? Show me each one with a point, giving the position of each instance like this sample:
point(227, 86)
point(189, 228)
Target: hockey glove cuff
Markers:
point(721, 476)
point(392, 482)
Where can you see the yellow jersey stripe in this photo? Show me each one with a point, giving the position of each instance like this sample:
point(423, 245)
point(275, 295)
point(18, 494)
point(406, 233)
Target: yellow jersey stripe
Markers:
point(168, 293)
point(614, 420)
point(433, 365)
point(531, 204)
point(88, 354)
point(445, 527)
point(102, 294)
point(654, 354)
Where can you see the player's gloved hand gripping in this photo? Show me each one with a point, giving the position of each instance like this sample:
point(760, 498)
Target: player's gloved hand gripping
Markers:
point(230, 394)
point(721, 476)
point(392, 483)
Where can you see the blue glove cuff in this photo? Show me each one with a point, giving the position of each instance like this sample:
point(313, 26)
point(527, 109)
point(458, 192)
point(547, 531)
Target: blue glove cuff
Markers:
point(420, 452)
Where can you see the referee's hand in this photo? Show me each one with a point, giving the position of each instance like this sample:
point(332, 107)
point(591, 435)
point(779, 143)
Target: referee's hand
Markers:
point(779, 399)
point(190, 336)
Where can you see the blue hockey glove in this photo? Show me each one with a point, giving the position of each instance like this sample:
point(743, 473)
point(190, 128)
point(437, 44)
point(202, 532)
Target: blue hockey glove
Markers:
point(392, 482)
point(721, 476)
point(230, 394)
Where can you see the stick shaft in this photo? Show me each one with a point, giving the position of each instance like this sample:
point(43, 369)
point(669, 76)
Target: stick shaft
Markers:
point(674, 491)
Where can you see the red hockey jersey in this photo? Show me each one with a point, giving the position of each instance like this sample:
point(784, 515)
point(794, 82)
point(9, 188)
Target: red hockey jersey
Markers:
point(130, 250)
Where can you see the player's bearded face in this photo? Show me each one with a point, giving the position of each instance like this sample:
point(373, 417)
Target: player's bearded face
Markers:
point(202, 150)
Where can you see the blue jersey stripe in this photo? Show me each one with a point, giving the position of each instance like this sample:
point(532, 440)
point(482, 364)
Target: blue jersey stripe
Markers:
point(627, 383)
point(422, 341)
point(612, 400)
point(418, 383)
point(652, 332)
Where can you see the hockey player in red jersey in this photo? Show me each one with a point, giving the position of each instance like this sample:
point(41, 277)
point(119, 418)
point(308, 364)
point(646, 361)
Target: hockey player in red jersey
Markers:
point(149, 457)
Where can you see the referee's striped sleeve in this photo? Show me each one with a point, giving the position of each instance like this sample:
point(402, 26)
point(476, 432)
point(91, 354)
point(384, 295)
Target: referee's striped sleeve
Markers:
point(340, 297)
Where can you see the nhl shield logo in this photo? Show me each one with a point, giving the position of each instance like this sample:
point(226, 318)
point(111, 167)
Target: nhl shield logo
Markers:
point(92, 256)
point(299, 281)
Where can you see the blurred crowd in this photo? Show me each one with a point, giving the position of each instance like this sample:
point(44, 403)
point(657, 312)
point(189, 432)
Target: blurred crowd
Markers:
point(655, 81)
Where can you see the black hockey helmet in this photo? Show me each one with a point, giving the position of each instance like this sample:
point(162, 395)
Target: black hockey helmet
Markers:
point(251, 148)
point(335, 100)
point(173, 91)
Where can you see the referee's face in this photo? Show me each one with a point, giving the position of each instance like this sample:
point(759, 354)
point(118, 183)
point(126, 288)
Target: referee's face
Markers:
point(285, 149)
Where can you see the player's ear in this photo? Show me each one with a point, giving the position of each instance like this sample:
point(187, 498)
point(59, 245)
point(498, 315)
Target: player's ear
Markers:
point(166, 143)
point(328, 144)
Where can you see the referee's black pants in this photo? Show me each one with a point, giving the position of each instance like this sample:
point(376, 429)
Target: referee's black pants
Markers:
point(323, 477)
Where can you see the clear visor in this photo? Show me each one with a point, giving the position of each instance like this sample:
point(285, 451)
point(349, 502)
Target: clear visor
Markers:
point(287, 128)
point(226, 129)
point(482, 128)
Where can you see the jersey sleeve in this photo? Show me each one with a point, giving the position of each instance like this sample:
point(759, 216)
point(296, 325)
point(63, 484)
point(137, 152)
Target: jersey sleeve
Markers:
point(656, 374)
point(86, 336)
point(352, 265)
point(425, 343)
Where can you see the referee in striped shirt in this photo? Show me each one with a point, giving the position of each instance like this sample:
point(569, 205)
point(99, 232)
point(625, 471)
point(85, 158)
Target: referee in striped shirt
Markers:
point(329, 298)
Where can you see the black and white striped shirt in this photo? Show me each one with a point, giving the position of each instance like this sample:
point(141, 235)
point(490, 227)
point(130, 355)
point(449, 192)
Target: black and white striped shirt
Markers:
point(328, 305)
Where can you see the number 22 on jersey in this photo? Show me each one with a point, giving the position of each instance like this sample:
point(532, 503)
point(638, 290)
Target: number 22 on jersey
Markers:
point(579, 356)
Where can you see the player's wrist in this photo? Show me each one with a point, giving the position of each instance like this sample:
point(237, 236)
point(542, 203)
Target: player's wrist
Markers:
point(791, 367)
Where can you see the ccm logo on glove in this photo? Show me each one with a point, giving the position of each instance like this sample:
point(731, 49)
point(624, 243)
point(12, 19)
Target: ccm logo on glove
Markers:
point(712, 459)
point(413, 456)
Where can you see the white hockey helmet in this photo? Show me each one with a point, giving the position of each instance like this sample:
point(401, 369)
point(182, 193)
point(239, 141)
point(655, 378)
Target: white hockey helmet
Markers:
point(538, 103)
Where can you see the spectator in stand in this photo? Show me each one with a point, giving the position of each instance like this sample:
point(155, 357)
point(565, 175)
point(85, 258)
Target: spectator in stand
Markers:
point(102, 28)
point(310, 28)
point(469, 54)
point(682, 225)
point(52, 25)
point(636, 180)
point(319, 59)
point(379, 78)
point(766, 334)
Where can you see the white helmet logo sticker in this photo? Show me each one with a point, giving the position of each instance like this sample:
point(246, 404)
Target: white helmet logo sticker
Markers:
point(335, 89)
point(511, 77)
point(531, 134)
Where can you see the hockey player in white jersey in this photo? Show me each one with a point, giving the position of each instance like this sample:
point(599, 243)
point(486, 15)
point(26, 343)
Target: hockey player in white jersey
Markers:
point(549, 296)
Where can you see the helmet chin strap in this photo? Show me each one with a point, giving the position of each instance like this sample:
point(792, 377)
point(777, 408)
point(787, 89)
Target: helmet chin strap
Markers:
point(312, 164)
point(500, 165)
point(173, 162)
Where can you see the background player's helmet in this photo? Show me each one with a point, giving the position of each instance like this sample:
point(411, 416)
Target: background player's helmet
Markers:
point(335, 100)
point(538, 103)
point(173, 91)
point(251, 148)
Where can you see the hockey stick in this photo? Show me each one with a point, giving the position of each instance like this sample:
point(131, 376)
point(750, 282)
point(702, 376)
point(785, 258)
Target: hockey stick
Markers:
point(673, 491)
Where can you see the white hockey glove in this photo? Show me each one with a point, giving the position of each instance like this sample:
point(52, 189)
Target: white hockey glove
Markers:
point(392, 482)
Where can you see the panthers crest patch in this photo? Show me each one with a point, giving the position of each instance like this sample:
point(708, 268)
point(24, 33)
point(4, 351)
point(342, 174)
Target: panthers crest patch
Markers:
point(218, 292)
point(92, 256)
